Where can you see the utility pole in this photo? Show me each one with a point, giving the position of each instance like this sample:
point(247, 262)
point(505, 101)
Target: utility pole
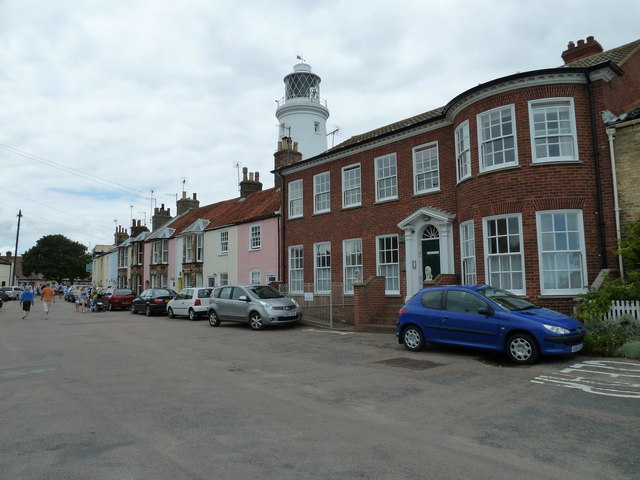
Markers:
point(15, 252)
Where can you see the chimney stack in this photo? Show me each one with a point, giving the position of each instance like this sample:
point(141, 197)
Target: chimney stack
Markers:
point(251, 185)
point(137, 228)
point(160, 217)
point(582, 50)
point(121, 235)
point(287, 154)
point(185, 204)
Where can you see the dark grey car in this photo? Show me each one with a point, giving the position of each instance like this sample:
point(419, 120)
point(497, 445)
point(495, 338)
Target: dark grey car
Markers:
point(257, 305)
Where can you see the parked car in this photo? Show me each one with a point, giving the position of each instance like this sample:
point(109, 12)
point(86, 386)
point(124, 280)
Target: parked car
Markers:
point(3, 296)
point(121, 298)
point(190, 302)
point(13, 293)
point(489, 318)
point(73, 292)
point(257, 305)
point(152, 300)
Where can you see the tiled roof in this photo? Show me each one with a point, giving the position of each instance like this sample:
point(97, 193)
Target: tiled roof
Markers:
point(393, 127)
point(618, 55)
point(235, 211)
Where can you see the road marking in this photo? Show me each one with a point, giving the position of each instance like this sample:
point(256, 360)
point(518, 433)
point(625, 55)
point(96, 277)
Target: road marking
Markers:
point(613, 378)
point(326, 331)
point(12, 373)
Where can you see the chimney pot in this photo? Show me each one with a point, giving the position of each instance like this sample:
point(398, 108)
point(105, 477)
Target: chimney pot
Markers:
point(580, 42)
point(194, 196)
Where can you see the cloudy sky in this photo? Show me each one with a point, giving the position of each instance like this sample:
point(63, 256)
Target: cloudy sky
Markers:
point(103, 102)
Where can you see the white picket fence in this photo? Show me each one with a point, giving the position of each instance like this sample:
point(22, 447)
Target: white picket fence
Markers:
point(624, 307)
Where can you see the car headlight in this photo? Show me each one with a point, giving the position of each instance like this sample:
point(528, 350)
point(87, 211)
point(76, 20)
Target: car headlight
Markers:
point(556, 330)
point(295, 302)
point(266, 305)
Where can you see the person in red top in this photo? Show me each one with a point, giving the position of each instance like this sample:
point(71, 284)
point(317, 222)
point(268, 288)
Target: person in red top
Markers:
point(47, 296)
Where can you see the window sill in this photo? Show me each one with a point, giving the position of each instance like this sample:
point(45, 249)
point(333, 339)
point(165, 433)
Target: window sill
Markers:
point(428, 192)
point(386, 200)
point(501, 169)
point(555, 162)
point(352, 207)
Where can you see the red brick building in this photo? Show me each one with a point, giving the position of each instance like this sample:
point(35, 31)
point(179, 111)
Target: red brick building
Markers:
point(508, 184)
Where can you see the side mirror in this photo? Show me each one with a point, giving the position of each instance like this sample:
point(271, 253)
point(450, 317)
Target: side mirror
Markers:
point(486, 311)
point(243, 298)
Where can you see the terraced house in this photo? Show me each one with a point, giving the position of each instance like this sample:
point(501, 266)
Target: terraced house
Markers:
point(510, 184)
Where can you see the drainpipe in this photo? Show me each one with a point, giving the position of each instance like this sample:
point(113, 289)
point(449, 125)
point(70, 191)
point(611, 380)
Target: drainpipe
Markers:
point(596, 158)
point(616, 207)
point(281, 229)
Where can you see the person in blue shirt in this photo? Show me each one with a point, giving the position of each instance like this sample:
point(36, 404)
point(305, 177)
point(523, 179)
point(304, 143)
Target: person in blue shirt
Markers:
point(26, 300)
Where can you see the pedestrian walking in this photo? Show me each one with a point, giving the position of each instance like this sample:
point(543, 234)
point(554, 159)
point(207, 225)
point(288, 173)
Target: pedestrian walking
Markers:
point(26, 300)
point(47, 297)
point(84, 297)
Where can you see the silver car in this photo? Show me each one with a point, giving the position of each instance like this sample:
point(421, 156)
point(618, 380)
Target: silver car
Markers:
point(257, 305)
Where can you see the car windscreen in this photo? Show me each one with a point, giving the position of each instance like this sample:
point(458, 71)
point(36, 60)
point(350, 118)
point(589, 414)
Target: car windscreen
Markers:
point(264, 291)
point(507, 300)
point(164, 293)
point(123, 292)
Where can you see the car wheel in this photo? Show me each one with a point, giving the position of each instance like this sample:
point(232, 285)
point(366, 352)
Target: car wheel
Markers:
point(413, 338)
point(255, 321)
point(192, 314)
point(214, 321)
point(522, 348)
point(170, 312)
point(133, 309)
point(147, 311)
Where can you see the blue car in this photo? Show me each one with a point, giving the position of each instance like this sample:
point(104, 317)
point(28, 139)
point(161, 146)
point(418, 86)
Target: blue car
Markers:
point(489, 318)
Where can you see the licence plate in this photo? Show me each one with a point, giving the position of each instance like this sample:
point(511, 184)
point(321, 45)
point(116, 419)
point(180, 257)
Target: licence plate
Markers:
point(576, 348)
point(126, 303)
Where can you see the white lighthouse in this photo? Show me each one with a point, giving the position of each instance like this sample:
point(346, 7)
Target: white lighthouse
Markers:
point(302, 114)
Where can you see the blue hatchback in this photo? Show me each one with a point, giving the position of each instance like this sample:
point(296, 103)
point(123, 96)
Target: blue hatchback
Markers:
point(485, 317)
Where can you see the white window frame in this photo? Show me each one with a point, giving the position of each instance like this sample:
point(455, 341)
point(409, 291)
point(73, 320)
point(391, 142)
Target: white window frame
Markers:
point(322, 268)
point(188, 249)
point(255, 241)
point(468, 253)
point(322, 193)
point(352, 186)
point(549, 106)
point(424, 158)
point(199, 247)
point(295, 199)
point(155, 247)
point(502, 267)
point(270, 278)
point(255, 276)
point(496, 137)
point(388, 262)
point(351, 263)
point(223, 243)
point(463, 151)
point(140, 253)
point(296, 269)
point(164, 244)
point(554, 244)
point(386, 177)
point(224, 278)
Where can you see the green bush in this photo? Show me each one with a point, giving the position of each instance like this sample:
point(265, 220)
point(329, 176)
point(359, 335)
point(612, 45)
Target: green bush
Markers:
point(631, 349)
point(607, 337)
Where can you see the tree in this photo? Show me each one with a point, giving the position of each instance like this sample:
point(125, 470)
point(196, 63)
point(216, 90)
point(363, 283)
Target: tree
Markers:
point(57, 257)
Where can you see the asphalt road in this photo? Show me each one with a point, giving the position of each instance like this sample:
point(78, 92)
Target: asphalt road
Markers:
point(112, 395)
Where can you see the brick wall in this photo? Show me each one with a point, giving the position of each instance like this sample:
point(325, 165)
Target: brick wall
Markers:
point(523, 189)
point(627, 152)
